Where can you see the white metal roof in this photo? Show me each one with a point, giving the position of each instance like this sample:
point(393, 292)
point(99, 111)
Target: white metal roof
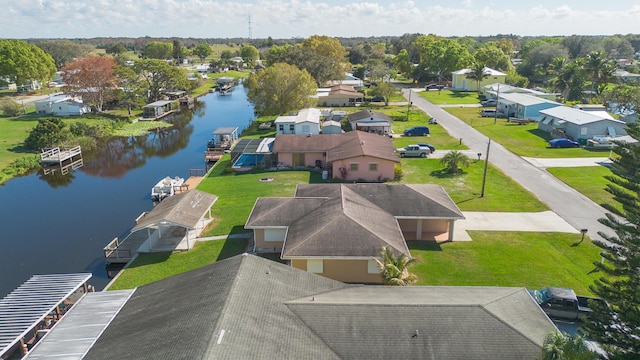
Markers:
point(29, 304)
point(575, 116)
point(526, 99)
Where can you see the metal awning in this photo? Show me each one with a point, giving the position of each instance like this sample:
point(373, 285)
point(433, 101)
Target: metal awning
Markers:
point(30, 303)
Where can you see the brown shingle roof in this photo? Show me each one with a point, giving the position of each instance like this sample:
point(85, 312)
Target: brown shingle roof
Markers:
point(368, 114)
point(338, 146)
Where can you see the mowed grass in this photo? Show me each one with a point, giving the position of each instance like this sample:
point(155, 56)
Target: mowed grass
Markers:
point(531, 260)
point(590, 181)
point(447, 97)
point(523, 140)
point(148, 268)
point(465, 189)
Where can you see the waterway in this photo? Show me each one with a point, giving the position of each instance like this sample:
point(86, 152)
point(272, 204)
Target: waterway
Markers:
point(60, 224)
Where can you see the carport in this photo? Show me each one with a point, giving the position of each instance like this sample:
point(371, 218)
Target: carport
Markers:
point(176, 222)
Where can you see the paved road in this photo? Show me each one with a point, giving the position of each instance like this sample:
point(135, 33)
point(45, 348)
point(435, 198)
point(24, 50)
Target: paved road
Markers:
point(573, 207)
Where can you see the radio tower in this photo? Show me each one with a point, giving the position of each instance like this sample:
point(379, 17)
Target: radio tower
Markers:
point(249, 26)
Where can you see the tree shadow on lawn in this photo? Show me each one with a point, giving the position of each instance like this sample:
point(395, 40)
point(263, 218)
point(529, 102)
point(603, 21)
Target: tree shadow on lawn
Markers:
point(423, 245)
point(464, 94)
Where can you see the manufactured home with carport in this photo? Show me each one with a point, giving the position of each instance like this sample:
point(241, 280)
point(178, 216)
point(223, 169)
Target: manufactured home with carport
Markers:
point(579, 125)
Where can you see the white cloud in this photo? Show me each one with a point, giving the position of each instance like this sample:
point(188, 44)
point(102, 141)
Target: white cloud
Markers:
point(302, 18)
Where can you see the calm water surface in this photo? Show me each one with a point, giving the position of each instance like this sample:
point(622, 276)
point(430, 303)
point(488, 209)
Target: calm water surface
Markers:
point(60, 224)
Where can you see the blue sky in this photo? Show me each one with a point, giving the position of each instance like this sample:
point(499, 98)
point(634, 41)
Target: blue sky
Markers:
point(302, 18)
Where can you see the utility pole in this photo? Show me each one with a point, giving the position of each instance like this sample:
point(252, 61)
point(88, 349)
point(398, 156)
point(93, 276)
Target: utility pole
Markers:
point(409, 104)
point(484, 173)
point(495, 116)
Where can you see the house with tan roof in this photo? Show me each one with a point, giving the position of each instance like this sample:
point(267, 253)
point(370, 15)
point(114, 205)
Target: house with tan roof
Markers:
point(349, 156)
point(336, 230)
point(339, 95)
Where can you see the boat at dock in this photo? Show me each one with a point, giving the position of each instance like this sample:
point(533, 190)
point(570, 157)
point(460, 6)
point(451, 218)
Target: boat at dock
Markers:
point(166, 187)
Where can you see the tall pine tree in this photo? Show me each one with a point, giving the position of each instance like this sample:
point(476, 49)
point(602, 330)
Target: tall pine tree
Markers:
point(617, 327)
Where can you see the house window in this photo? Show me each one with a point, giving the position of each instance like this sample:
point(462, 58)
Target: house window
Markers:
point(275, 235)
point(353, 166)
point(373, 166)
point(281, 128)
point(315, 266)
point(584, 131)
point(372, 267)
point(292, 128)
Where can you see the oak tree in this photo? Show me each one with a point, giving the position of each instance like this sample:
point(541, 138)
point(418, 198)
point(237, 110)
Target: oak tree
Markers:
point(22, 62)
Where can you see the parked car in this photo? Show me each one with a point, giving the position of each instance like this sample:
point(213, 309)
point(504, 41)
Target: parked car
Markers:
point(563, 143)
point(563, 303)
point(433, 87)
point(489, 102)
point(413, 150)
point(431, 147)
point(417, 131)
point(488, 113)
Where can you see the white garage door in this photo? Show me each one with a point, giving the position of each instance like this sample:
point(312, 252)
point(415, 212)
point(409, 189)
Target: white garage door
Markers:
point(274, 234)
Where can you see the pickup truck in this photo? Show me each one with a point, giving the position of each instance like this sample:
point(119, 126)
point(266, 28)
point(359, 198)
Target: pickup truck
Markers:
point(414, 150)
point(563, 303)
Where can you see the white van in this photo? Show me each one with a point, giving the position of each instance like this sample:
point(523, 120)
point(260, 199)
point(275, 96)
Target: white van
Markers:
point(488, 113)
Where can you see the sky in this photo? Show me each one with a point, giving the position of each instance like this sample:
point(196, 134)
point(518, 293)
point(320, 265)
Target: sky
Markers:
point(286, 19)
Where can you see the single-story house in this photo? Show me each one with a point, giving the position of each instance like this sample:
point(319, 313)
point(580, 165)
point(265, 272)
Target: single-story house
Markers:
point(247, 307)
point(523, 106)
point(460, 81)
point(62, 105)
point(596, 109)
point(350, 156)
point(339, 95)
point(625, 76)
point(336, 230)
point(579, 125)
point(331, 127)
point(156, 108)
point(370, 121)
point(491, 91)
point(306, 121)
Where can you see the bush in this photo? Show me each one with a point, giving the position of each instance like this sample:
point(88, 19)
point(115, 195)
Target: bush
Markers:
point(10, 107)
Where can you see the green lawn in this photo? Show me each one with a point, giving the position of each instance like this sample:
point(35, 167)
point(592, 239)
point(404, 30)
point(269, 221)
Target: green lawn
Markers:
point(523, 140)
point(532, 260)
point(148, 268)
point(589, 181)
point(445, 97)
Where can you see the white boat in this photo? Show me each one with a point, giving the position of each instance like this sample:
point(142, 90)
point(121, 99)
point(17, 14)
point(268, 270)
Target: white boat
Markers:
point(165, 188)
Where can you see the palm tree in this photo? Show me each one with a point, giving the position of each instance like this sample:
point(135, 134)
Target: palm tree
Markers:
point(395, 268)
point(454, 161)
point(600, 69)
point(478, 73)
point(559, 346)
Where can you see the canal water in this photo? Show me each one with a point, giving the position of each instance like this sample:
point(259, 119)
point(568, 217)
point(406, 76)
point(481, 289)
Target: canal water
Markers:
point(60, 224)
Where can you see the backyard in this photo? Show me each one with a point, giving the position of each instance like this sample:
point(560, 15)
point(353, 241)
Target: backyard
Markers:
point(448, 97)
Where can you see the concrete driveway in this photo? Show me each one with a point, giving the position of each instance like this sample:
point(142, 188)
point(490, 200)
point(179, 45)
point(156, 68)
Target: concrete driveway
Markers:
point(570, 205)
point(545, 221)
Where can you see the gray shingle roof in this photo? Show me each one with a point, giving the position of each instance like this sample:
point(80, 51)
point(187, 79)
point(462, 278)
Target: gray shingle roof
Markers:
point(184, 209)
point(349, 220)
point(248, 307)
point(376, 322)
point(232, 309)
point(368, 114)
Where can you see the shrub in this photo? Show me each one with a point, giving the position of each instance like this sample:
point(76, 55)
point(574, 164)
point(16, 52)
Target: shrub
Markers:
point(10, 107)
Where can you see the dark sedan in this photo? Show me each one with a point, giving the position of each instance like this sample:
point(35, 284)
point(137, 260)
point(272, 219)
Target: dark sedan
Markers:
point(563, 143)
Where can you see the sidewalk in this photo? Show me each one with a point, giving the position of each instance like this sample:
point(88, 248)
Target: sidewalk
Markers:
point(567, 162)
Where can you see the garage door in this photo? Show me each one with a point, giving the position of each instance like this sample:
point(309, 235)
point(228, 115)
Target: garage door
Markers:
point(274, 234)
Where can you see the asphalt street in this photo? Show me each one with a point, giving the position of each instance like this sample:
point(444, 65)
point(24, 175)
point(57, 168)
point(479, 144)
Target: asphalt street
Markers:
point(575, 208)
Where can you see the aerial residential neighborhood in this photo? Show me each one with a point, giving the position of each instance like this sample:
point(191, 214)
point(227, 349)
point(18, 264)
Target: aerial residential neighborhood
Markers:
point(240, 190)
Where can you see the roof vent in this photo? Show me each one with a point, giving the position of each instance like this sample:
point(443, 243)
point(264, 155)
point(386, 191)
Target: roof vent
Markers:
point(362, 142)
point(313, 298)
point(415, 334)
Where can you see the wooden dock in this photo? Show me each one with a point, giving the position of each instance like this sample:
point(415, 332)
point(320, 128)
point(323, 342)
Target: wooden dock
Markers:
point(121, 252)
point(195, 177)
point(213, 154)
point(57, 156)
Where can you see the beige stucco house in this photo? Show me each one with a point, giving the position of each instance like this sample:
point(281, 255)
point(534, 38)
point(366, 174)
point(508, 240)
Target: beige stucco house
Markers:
point(336, 230)
point(353, 155)
point(460, 81)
